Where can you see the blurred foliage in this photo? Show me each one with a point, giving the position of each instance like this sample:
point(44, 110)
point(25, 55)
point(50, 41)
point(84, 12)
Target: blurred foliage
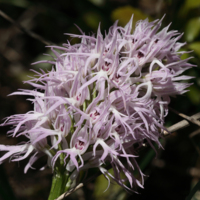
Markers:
point(123, 14)
point(188, 5)
point(169, 175)
point(192, 29)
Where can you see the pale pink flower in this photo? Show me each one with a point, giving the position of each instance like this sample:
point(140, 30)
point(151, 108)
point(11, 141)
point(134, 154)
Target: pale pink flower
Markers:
point(102, 96)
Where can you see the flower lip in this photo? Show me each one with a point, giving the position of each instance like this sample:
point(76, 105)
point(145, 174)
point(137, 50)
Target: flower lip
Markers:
point(79, 144)
point(117, 129)
point(78, 97)
point(134, 40)
point(94, 115)
point(106, 65)
point(80, 140)
point(140, 54)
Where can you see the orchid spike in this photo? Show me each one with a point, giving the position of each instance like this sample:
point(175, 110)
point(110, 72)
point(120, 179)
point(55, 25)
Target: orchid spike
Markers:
point(102, 96)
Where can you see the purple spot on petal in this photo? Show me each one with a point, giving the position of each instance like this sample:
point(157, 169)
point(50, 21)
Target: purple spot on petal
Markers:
point(107, 63)
point(140, 54)
point(118, 128)
point(81, 143)
point(118, 76)
point(96, 113)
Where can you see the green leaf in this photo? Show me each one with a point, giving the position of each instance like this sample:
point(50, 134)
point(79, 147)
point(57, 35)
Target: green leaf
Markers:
point(6, 191)
point(188, 5)
point(123, 14)
point(195, 46)
point(192, 29)
point(98, 2)
point(185, 55)
point(194, 94)
point(193, 191)
point(60, 184)
point(147, 159)
point(92, 19)
point(18, 3)
point(100, 192)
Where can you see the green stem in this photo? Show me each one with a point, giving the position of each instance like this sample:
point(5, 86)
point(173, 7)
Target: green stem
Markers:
point(72, 120)
point(60, 184)
point(94, 92)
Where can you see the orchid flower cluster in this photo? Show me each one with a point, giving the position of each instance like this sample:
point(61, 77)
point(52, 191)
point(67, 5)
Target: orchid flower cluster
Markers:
point(102, 98)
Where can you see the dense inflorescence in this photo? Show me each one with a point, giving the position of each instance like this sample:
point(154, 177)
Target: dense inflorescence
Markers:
point(102, 96)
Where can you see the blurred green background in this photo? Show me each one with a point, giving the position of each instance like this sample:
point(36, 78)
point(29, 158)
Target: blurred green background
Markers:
point(175, 170)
